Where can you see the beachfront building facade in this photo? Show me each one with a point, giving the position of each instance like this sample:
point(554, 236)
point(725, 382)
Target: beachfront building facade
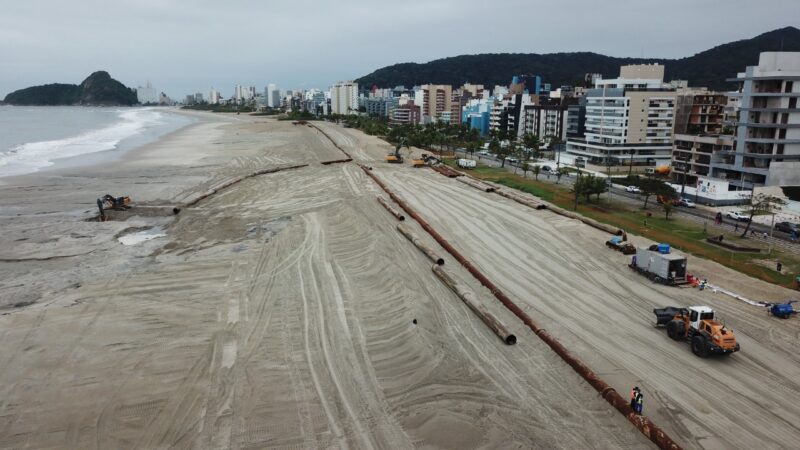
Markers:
point(698, 111)
point(436, 99)
point(344, 98)
point(628, 120)
point(576, 119)
point(379, 106)
point(767, 148)
point(147, 94)
point(694, 156)
point(214, 97)
point(476, 114)
point(406, 113)
point(272, 96)
point(548, 121)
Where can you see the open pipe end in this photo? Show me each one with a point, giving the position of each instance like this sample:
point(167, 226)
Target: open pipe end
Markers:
point(511, 339)
point(401, 218)
point(440, 261)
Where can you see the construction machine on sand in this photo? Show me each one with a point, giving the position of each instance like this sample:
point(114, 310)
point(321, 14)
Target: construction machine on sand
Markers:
point(699, 326)
point(108, 201)
point(396, 157)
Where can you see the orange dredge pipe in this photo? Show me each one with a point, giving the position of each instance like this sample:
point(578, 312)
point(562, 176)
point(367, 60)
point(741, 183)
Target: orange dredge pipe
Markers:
point(645, 425)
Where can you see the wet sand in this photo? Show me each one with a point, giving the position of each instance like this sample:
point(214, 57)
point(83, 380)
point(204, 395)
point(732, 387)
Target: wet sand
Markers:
point(279, 313)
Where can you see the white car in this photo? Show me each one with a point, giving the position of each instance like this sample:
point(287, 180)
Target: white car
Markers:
point(736, 215)
point(633, 189)
point(686, 203)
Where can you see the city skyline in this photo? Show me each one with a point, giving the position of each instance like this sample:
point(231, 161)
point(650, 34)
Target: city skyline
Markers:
point(186, 47)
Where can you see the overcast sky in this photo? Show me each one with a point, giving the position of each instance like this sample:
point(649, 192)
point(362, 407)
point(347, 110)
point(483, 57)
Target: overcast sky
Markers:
point(186, 46)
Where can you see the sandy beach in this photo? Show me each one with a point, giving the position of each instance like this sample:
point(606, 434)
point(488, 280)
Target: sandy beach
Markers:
point(286, 311)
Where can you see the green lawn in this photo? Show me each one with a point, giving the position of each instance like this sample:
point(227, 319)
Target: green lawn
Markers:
point(681, 234)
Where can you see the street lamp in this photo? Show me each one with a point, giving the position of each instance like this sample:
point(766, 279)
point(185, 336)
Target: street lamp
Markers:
point(683, 179)
point(630, 165)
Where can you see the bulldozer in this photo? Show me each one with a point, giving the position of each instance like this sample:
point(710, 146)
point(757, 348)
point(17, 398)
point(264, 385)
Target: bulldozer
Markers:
point(699, 326)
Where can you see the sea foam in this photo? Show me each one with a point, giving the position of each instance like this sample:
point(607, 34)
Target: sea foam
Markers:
point(34, 156)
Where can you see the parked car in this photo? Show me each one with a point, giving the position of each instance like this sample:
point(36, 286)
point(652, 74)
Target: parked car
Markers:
point(736, 215)
point(787, 227)
point(483, 152)
point(686, 203)
point(633, 189)
point(512, 160)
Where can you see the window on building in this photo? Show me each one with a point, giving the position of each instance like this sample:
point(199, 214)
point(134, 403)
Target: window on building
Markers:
point(788, 87)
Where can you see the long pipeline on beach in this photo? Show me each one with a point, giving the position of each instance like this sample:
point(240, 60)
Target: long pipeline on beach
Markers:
point(397, 214)
point(471, 300)
point(424, 248)
point(643, 424)
point(231, 182)
point(350, 158)
point(541, 204)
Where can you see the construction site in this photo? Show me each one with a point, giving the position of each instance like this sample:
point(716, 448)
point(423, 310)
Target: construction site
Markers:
point(294, 285)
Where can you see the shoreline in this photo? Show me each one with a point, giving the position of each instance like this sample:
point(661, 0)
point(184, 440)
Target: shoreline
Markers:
point(127, 144)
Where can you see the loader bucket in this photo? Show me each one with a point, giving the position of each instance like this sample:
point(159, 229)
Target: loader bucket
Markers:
point(664, 315)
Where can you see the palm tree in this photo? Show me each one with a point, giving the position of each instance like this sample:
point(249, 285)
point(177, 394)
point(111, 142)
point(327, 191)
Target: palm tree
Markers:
point(531, 141)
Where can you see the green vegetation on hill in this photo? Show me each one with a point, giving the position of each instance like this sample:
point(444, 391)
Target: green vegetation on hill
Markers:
point(709, 68)
point(97, 89)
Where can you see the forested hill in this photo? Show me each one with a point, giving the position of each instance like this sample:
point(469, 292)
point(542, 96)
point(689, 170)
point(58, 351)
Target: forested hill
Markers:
point(709, 68)
point(97, 89)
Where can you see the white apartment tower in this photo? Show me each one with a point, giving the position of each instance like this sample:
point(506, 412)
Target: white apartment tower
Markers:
point(344, 98)
point(629, 119)
point(147, 94)
point(272, 96)
point(767, 149)
point(213, 96)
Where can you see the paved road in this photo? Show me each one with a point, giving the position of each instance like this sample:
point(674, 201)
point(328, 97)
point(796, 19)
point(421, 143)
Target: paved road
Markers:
point(617, 193)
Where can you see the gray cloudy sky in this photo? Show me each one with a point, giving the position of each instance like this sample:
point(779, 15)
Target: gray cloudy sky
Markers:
point(184, 46)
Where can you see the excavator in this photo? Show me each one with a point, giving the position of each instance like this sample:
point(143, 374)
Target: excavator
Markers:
point(699, 326)
point(108, 201)
point(397, 158)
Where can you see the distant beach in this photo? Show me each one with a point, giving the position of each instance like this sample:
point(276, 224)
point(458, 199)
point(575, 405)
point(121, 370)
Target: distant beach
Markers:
point(33, 139)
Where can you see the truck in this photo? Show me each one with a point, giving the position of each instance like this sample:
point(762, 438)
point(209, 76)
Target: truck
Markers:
point(699, 326)
point(466, 163)
point(660, 265)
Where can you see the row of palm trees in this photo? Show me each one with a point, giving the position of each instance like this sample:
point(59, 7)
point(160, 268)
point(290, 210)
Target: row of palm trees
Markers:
point(443, 136)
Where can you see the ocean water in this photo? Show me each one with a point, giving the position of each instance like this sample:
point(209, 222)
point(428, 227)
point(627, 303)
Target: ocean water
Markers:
point(35, 138)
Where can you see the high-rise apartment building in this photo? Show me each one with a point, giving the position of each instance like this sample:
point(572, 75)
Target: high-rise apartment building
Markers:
point(405, 114)
point(768, 129)
point(698, 111)
point(272, 96)
point(344, 98)
point(547, 121)
point(628, 119)
point(436, 99)
point(213, 96)
point(147, 94)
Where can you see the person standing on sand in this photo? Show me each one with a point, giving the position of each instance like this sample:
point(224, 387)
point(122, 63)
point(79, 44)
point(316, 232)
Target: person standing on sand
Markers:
point(633, 397)
point(639, 402)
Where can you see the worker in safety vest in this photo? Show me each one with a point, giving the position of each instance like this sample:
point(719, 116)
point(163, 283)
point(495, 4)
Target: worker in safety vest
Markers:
point(639, 402)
